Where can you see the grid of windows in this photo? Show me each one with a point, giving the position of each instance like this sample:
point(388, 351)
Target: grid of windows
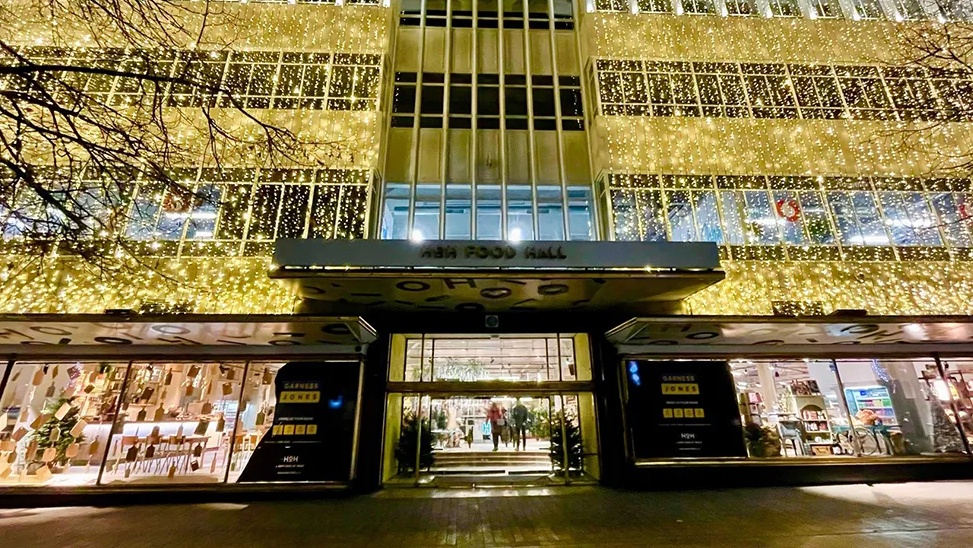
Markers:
point(908, 10)
point(252, 206)
point(774, 90)
point(220, 211)
point(838, 212)
point(528, 213)
point(488, 14)
point(259, 79)
point(487, 108)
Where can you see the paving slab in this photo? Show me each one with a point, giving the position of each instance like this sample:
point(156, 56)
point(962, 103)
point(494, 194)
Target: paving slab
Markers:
point(899, 515)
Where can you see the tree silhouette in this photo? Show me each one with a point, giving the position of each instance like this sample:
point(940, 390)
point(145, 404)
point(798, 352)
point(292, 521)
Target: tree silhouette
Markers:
point(122, 94)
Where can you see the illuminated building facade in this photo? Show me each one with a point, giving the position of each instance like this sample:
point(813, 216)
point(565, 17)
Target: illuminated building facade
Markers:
point(773, 239)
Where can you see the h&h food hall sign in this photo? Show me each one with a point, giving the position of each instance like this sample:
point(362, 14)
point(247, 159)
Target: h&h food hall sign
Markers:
point(486, 252)
point(298, 254)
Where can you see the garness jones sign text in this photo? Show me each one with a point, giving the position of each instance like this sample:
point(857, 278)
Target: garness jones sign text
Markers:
point(491, 252)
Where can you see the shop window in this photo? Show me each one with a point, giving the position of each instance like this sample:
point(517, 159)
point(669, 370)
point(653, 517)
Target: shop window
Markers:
point(55, 420)
point(255, 414)
point(681, 409)
point(897, 409)
point(175, 423)
point(956, 389)
point(791, 408)
point(849, 408)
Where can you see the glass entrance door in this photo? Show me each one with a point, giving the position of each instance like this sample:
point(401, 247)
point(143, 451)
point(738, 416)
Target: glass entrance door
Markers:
point(490, 410)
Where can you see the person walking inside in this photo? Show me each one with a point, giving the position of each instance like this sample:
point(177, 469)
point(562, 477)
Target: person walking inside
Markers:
point(494, 416)
point(520, 416)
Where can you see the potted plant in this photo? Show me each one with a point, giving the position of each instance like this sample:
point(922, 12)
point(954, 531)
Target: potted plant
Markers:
point(405, 450)
point(762, 441)
point(575, 449)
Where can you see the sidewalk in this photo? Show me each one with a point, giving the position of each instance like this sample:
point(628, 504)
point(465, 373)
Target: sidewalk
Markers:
point(900, 515)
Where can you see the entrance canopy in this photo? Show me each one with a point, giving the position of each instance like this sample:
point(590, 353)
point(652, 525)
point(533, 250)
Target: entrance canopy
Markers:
point(494, 275)
point(46, 333)
point(811, 335)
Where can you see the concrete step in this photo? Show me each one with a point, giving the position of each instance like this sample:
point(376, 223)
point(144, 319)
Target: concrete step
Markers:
point(491, 458)
point(485, 480)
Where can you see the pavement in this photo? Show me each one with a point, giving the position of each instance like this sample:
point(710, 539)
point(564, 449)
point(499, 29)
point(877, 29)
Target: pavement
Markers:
point(874, 516)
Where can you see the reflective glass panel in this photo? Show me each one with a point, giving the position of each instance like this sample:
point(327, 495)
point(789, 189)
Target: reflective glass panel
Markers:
point(458, 212)
point(550, 213)
point(520, 213)
point(489, 213)
point(395, 212)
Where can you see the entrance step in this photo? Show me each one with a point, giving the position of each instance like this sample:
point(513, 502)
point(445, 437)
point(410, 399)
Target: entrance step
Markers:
point(488, 462)
point(490, 458)
point(489, 480)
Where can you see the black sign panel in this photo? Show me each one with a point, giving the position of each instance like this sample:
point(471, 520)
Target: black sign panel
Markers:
point(313, 434)
point(683, 409)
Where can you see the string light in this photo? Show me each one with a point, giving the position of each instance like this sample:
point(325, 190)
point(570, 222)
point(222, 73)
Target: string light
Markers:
point(239, 284)
point(230, 276)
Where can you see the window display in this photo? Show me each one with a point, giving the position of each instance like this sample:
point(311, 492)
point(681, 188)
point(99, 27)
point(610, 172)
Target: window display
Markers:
point(791, 408)
point(871, 408)
point(175, 423)
point(55, 420)
point(87, 423)
point(957, 387)
point(256, 414)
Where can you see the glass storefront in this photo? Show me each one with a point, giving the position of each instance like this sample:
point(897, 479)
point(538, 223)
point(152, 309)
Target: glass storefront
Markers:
point(155, 422)
point(806, 408)
point(469, 359)
point(451, 431)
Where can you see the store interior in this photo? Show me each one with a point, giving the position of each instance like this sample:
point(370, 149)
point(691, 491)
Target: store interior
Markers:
point(464, 439)
point(82, 423)
point(853, 408)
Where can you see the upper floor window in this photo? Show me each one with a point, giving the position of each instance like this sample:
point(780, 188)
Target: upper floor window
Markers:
point(792, 211)
point(515, 212)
